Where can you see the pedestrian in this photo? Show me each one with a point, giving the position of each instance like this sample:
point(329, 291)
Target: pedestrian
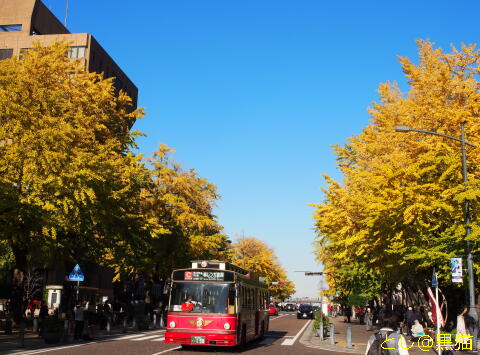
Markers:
point(42, 315)
point(462, 327)
point(387, 337)
point(369, 319)
point(417, 330)
point(348, 314)
point(79, 320)
point(410, 318)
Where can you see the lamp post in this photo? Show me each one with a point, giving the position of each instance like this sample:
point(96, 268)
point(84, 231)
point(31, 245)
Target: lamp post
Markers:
point(472, 309)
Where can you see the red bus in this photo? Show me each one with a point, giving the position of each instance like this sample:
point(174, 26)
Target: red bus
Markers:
point(215, 303)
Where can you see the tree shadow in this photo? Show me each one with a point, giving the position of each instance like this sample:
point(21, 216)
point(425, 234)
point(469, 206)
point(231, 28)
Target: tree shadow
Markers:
point(270, 339)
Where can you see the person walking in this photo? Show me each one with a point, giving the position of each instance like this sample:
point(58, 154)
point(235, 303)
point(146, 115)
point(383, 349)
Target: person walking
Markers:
point(348, 314)
point(410, 318)
point(79, 320)
point(369, 319)
point(42, 315)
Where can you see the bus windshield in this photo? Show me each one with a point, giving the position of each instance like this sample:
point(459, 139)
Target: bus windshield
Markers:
point(203, 298)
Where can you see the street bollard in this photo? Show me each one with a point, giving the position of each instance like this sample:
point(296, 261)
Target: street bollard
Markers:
point(65, 331)
point(124, 324)
point(21, 334)
point(154, 320)
point(332, 334)
point(349, 337)
point(35, 325)
point(108, 325)
point(134, 323)
point(321, 331)
point(162, 323)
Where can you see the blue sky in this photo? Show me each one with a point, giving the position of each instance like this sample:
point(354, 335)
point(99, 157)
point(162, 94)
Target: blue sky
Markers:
point(252, 93)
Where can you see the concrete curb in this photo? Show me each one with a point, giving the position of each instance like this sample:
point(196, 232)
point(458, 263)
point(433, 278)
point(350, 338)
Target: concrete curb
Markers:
point(310, 341)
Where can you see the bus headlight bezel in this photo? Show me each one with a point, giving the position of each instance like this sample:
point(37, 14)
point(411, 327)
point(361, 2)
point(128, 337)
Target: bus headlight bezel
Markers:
point(172, 324)
point(226, 326)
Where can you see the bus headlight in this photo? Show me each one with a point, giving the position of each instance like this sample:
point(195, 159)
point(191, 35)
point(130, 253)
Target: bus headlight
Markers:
point(226, 326)
point(172, 324)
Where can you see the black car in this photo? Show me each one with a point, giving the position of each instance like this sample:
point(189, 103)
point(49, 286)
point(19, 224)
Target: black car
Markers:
point(305, 311)
point(290, 307)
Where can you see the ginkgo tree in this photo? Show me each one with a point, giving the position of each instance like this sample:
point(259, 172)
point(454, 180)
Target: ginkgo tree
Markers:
point(178, 222)
point(399, 210)
point(254, 255)
point(68, 179)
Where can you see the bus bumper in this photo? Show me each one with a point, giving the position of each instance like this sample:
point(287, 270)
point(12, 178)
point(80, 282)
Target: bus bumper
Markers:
point(210, 339)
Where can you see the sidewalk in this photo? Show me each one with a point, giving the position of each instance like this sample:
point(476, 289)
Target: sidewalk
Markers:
point(360, 338)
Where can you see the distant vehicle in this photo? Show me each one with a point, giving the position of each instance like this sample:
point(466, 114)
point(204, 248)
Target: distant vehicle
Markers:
point(290, 307)
point(272, 310)
point(316, 308)
point(305, 311)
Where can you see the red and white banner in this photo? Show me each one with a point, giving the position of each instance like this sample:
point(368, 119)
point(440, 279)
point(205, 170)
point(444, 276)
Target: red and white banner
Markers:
point(434, 305)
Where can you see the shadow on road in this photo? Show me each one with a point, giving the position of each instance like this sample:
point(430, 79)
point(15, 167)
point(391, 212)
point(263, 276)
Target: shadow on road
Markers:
point(273, 336)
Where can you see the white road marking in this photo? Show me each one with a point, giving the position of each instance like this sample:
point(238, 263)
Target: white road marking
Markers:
point(159, 339)
point(62, 347)
point(283, 315)
point(139, 335)
point(145, 338)
point(166, 351)
point(292, 341)
point(93, 342)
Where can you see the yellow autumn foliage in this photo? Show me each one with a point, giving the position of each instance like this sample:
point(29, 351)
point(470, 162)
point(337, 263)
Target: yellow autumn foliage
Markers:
point(254, 255)
point(399, 210)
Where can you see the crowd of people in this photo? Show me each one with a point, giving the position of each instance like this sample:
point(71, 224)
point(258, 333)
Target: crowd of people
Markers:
point(396, 324)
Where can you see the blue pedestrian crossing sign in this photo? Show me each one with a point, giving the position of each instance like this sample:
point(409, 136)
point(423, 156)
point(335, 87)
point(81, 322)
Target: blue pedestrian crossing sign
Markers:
point(76, 274)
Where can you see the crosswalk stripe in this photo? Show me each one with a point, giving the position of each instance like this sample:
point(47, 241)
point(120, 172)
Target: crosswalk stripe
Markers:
point(139, 335)
point(145, 338)
point(159, 339)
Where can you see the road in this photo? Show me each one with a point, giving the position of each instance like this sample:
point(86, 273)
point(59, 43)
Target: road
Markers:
point(283, 338)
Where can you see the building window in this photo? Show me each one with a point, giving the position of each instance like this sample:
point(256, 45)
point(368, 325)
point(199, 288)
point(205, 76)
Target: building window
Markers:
point(6, 53)
point(10, 28)
point(76, 52)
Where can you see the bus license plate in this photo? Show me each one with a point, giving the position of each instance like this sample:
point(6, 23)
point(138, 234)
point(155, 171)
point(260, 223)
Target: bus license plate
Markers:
point(198, 340)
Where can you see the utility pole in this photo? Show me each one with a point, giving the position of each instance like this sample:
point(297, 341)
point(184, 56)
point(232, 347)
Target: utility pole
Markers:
point(66, 14)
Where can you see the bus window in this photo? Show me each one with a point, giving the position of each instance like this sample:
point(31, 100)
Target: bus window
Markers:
point(231, 301)
point(204, 298)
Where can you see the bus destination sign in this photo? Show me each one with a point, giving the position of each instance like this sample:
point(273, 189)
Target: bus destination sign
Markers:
point(204, 276)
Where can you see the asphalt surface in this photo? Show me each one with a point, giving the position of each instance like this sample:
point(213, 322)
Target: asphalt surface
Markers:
point(283, 338)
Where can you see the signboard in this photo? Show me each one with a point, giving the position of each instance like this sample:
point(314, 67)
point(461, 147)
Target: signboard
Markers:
point(456, 266)
point(76, 274)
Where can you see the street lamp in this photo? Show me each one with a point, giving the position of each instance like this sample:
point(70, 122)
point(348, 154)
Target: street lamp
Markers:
point(472, 310)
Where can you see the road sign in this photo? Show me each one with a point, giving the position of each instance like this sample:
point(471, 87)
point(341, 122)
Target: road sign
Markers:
point(434, 279)
point(76, 274)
